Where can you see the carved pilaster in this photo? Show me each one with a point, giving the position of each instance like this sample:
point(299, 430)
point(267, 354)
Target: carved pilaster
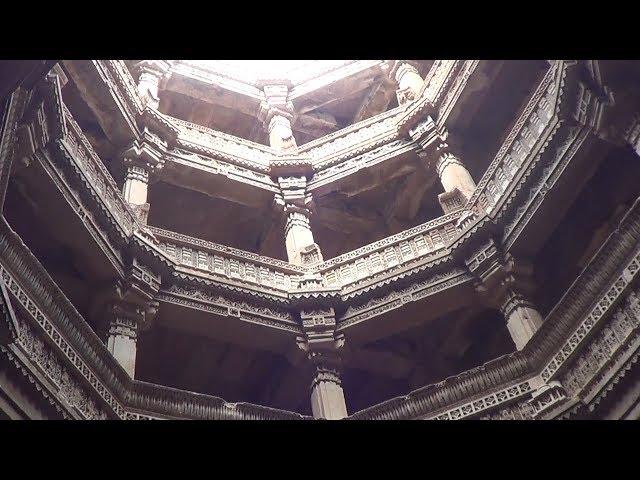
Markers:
point(505, 284)
point(276, 114)
point(121, 322)
point(322, 346)
point(296, 203)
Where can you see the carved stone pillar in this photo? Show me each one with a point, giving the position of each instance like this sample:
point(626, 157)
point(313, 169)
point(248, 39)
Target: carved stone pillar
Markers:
point(409, 81)
point(276, 114)
point(296, 203)
point(505, 284)
point(123, 316)
point(323, 346)
point(453, 174)
point(142, 161)
point(123, 309)
point(136, 183)
point(122, 321)
point(523, 319)
point(327, 396)
point(455, 179)
point(150, 73)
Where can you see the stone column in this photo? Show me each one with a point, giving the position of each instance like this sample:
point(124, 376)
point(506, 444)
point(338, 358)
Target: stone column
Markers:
point(136, 184)
point(276, 113)
point(123, 309)
point(323, 346)
point(505, 284)
point(150, 73)
point(123, 321)
point(522, 317)
point(454, 175)
point(455, 179)
point(301, 247)
point(142, 161)
point(409, 81)
point(327, 396)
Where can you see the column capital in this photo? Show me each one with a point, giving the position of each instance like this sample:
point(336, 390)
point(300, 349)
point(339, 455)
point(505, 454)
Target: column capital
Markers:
point(323, 347)
point(150, 73)
point(506, 284)
point(145, 152)
point(446, 158)
point(275, 104)
point(409, 80)
point(321, 343)
point(498, 274)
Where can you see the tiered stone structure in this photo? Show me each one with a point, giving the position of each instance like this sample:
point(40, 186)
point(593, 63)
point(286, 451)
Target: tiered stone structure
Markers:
point(152, 241)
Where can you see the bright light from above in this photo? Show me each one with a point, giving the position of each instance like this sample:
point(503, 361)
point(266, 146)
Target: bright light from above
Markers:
point(255, 70)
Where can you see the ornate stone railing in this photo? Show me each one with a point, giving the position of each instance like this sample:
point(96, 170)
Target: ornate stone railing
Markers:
point(352, 140)
point(97, 177)
point(439, 400)
point(438, 79)
point(123, 89)
point(526, 136)
point(217, 77)
point(378, 258)
point(227, 262)
point(89, 382)
point(388, 150)
point(224, 146)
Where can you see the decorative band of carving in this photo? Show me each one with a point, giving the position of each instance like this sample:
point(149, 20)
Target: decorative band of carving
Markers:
point(485, 403)
point(445, 160)
point(135, 172)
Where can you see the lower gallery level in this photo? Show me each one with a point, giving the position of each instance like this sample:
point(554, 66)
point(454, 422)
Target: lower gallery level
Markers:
point(366, 240)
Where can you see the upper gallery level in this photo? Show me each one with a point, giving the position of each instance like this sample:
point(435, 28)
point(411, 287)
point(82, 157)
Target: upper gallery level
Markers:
point(374, 174)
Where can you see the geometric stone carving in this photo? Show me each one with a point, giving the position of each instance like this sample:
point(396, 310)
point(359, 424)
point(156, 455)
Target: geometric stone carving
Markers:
point(296, 204)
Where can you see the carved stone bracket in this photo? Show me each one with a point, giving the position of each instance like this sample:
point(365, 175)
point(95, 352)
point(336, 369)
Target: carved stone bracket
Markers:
point(143, 160)
point(505, 284)
point(150, 75)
